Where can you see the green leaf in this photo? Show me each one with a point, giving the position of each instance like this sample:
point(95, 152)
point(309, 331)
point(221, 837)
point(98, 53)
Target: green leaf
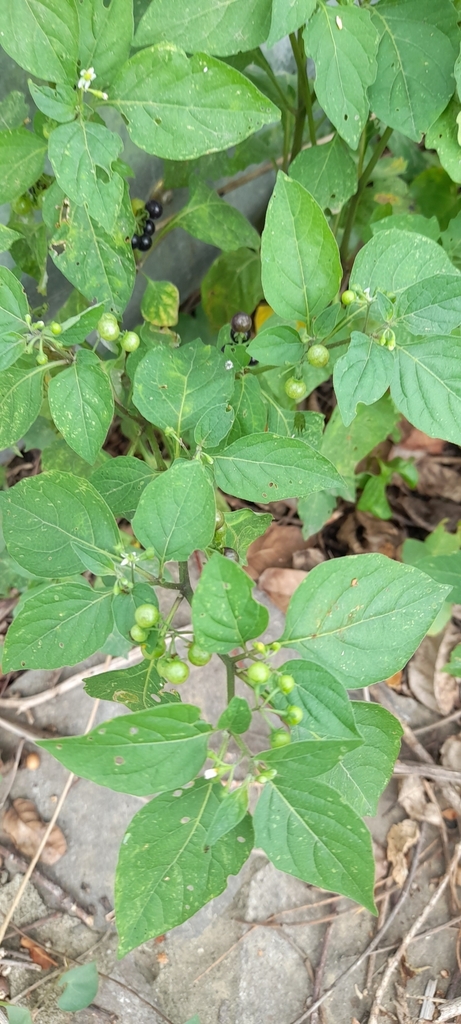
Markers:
point(176, 512)
point(81, 987)
point(7, 237)
point(373, 498)
point(42, 37)
point(81, 154)
point(301, 270)
point(347, 616)
point(13, 110)
point(121, 481)
point(223, 28)
point(417, 49)
point(344, 46)
point(14, 307)
point(428, 226)
point(106, 32)
point(232, 809)
point(17, 1014)
point(346, 446)
point(210, 219)
point(327, 709)
point(393, 260)
point(451, 239)
point(441, 568)
point(426, 386)
point(164, 874)
point(99, 265)
point(56, 454)
point(443, 136)
point(58, 102)
point(265, 467)
point(431, 306)
point(179, 107)
point(328, 172)
point(61, 625)
point(213, 426)
point(362, 774)
point(30, 253)
point(147, 752)
point(43, 515)
point(173, 387)
point(277, 346)
point(315, 511)
point(138, 687)
point(242, 528)
point(20, 401)
point(306, 829)
point(287, 16)
point(237, 716)
point(82, 404)
point(160, 303)
point(224, 613)
point(363, 374)
point(76, 328)
point(22, 156)
point(232, 283)
point(249, 407)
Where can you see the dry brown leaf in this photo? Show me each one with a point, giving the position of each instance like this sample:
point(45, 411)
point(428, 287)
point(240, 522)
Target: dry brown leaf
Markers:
point(362, 532)
point(412, 797)
point(275, 548)
point(307, 559)
point(435, 480)
point(37, 954)
point(394, 682)
point(446, 687)
point(420, 672)
point(381, 864)
point(25, 827)
point(416, 441)
point(450, 754)
point(400, 839)
point(280, 585)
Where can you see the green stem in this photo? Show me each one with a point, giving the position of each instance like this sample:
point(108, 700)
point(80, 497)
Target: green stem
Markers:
point(263, 63)
point(363, 181)
point(304, 92)
point(184, 582)
point(298, 133)
point(172, 612)
point(150, 433)
point(230, 676)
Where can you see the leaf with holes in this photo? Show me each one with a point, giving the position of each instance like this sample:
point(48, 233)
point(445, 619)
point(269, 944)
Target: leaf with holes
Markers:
point(106, 32)
point(138, 687)
point(82, 404)
point(81, 154)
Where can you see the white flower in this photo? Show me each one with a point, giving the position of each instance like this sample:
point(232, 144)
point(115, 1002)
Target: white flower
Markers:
point(210, 773)
point(86, 78)
point(228, 364)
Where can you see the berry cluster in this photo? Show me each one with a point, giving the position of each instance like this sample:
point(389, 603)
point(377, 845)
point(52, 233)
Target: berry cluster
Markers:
point(146, 215)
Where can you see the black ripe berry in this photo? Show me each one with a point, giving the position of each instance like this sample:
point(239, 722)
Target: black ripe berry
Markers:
point(154, 208)
point(135, 242)
point(144, 243)
point(241, 323)
point(149, 227)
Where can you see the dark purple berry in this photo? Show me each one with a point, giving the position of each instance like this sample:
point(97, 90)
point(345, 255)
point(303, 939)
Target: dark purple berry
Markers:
point(241, 323)
point(135, 242)
point(144, 243)
point(154, 208)
point(149, 227)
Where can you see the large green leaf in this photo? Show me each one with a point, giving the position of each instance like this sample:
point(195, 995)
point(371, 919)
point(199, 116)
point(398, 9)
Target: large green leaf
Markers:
point(42, 517)
point(426, 385)
point(229, 814)
point(82, 404)
point(13, 310)
point(310, 757)
point(13, 110)
point(138, 687)
point(106, 32)
point(121, 482)
point(307, 830)
point(431, 306)
point(428, 226)
point(81, 154)
point(173, 387)
point(7, 237)
point(393, 260)
point(76, 328)
point(277, 346)
point(242, 528)
point(179, 107)
point(232, 283)
point(327, 708)
point(164, 874)
point(224, 613)
point(60, 625)
point(222, 27)
point(443, 136)
point(301, 270)
point(22, 158)
point(177, 511)
point(362, 774)
point(343, 45)
point(346, 446)
point(417, 49)
point(266, 467)
point(20, 401)
point(160, 303)
point(249, 408)
point(42, 37)
point(362, 374)
point(210, 219)
point(362, 617)
point(58, 102)
point(328, 172)
point(287, 16)
point(147, 752)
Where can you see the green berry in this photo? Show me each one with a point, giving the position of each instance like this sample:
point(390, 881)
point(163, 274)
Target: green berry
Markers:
point(137, 205)
point(219, 519)
point(56, 328)
point(41, 358)
point(258, 673)
point(267, 774)
point(38, 325)
point(22, 205)
point(173, 670)
point(286, 683)
point(259, 647)
point(280, 738)
point(108, 327)
point(220, 535)
point(130, 341)
point(147, 615)
point(294, 715)
point(156, 650)
point(138, 635)
point(318, 355)
point(348, 297)
point(197, 655)
point(295, 389)
point(275, 646)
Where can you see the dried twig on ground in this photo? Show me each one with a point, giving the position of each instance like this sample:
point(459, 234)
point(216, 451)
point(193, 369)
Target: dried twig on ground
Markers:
point(450, 1010)
point(428, 771)
point(318, 983)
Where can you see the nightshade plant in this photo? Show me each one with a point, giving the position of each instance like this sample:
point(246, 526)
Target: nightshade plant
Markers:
point(209, 409)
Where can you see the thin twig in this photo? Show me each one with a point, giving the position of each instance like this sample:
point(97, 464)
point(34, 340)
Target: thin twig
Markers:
point(450, 1010)
point(395, 960)
point(372, 960)
point(428, 771)
point(12, 773)
point(438, 725)
point(223, 955)
point(318, 983)
point(66, 902)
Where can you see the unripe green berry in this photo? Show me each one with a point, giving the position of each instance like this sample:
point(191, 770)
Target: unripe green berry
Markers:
point(147, 615)
point(138, 635)
point(259, 647)
point(220, 535)
point(39, 325)
point(348, 297)
point(219, 519)
point(295, 389)
point(275, 646)
point(258, 673)
point(197, 655)
point(130, 341)
point(56, 328)
point(108, 327)
point(280, 738)
point(294, 715)
point(286, 683)
point(173, 670)
point(318, 355)
point(22, 205)
point(41, 358)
